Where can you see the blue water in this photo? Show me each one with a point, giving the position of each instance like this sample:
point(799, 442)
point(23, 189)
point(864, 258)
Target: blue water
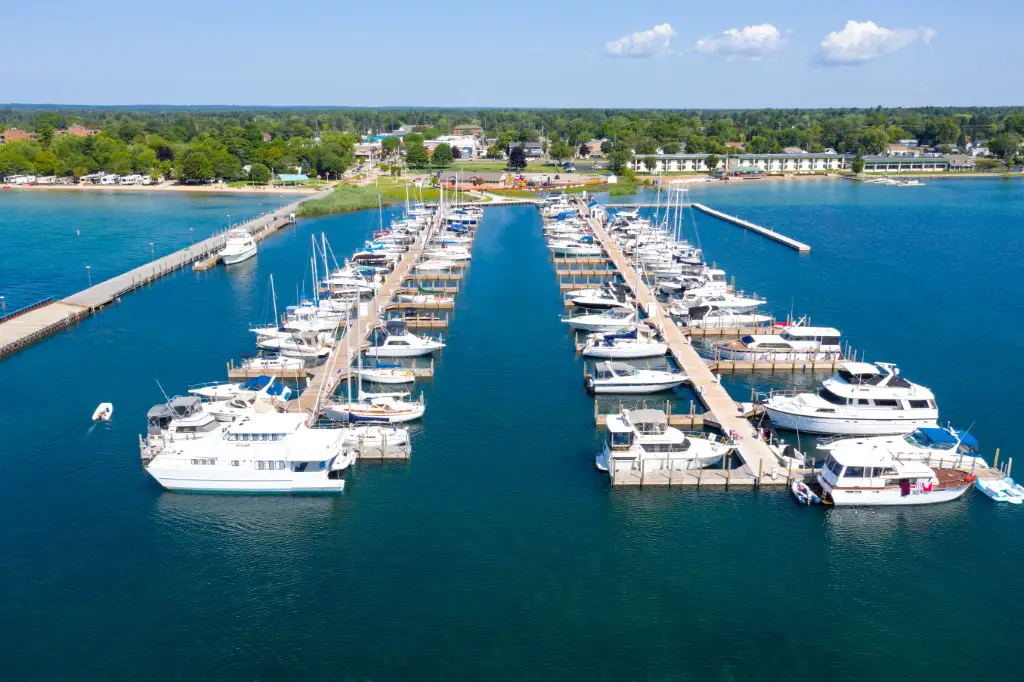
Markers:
point(49, 237)
point(497, 551)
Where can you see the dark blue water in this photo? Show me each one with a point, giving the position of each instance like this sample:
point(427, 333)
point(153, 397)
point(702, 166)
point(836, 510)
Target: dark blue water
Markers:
point(49, 237)
point(497, 551)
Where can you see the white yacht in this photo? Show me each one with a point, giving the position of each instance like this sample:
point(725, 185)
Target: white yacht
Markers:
point(571, 247)
point(425, 299)
point(398, 342)
point(879, 479)
point(220, 391)
point(271, 363)
point(388, 373)
point(717, 301)
point(599, 298)
point(624, 345)
point(238, 246)
point(862, 399)
point(621, 377)
point(794, 343)
point(642, 441)
point(931, 445)
point(609, 320)
point(293, 346)
point(721, 319)
point(268, 452)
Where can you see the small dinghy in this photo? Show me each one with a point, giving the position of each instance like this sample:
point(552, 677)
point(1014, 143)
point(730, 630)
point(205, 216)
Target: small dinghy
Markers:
point(803, 493)
point(103, 412)
point(1000, 490)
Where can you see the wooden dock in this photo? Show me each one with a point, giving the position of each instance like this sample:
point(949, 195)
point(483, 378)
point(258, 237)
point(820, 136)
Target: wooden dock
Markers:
point(25, 327)
point(755, 455)
point(763, 231)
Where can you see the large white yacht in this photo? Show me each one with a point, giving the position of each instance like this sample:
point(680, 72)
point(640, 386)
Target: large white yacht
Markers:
point(879, 479)
point(238, 246)
point(862, 399)
point(609, 320)
point(931, 445)
point(624, 345)
point(642, 441)
point(621, 377)
point(398, 342)
point(794, 343)
point(269, 452)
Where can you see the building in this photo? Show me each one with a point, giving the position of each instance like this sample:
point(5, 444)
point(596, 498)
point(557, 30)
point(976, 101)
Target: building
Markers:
point(764, 163)
point(367, 150)
point(292, 178)
point(961, 162)
point(906, 164)
point(485, 180)
point(267, 137)
point(899, 149)
point(78, 131)
point(470, 129)
point(468, 146)
point(735, 145)
point(674, 163)
point(15, 135)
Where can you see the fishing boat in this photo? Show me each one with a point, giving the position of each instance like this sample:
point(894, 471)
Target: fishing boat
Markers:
point(629, 345)
point(238, 246)
point(861, 399)
point(803, 493)
point(398, 342)
point(794, 343)
point(609, 320)
point(879, 479)
point(103, 412)
point(271, 452)
point(621, 377)
point(641, 441)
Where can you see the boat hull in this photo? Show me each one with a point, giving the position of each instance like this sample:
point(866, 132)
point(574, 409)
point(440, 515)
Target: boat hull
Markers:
point(398, 352)
point(626, 352)
point(315, 484)
point(846, 426)
point(235, 257)
point(633, 389)
point(891, 496)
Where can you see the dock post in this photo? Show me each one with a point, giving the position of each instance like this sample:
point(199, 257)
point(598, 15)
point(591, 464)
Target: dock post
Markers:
point(995, 462)
point(728, 471)
point(789, 472)
point(596, 411)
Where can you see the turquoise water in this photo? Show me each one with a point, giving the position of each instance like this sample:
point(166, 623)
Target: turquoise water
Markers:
point(498, 552)
point(49, 237)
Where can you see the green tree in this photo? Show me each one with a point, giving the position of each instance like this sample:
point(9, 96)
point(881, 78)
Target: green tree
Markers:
point(858, 164)
point(560, 151)
point(758, 145)
point(943, 131)
point(45, 163)
point(607, 146)
point(494, 152)
point(1014, 123)
point(619, 158)
point(45, 135)
point(874, 140)
point(711, 161)
point(411, 139)
point(442, 155)
point(517, 158)
point(196, 167)
point(259, 174)
point(416, 155)
point(1004, 145)
point(390, 145)
point(456, 153)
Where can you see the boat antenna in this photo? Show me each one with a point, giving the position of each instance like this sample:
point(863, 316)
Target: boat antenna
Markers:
point(166, 399)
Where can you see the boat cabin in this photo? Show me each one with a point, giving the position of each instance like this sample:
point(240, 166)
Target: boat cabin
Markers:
point(874, 471)
point(822, 336)
point(610, 370)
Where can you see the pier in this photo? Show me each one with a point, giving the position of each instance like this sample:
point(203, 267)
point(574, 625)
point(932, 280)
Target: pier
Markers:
point(28, 325)
point(763, 231)
point(755, 455)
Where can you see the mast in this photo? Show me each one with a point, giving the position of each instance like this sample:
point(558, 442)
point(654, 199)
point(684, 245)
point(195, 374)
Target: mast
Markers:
point(273, 295)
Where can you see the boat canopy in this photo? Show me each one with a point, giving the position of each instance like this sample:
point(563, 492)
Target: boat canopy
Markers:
point(623, 335)
point(396, 327)
point(387, 365)
point(937, 435)
point(635, 417)
point(256, 383)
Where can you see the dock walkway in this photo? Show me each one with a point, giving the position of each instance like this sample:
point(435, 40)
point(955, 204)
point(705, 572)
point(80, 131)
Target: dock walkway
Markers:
point(20, 330)
point(755, 454)
point(763, 231)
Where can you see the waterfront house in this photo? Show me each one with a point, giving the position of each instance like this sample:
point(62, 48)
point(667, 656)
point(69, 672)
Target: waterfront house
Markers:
point(15, 135)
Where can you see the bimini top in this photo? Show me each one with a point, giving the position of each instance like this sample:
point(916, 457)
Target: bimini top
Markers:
point(635, 417)
point(860, 368)
point(937, 435)
point(617, 367)
point(794, 331)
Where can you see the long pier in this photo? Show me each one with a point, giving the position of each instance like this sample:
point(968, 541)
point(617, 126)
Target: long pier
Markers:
point(23, 328)
point(324, 379)
point(756, 456)
point(763, 231)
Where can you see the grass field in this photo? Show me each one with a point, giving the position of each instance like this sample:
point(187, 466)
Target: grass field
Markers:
point(352, 198)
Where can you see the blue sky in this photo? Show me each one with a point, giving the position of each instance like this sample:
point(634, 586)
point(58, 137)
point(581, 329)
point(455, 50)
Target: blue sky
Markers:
point(558, 53)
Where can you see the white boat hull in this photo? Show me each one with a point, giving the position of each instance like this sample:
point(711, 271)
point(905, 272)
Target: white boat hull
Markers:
point(282, 485)
point(629, 351)
point(891, 496)
point(398, 352)
point(233, 257)
point(846, 426)
point(754, 355)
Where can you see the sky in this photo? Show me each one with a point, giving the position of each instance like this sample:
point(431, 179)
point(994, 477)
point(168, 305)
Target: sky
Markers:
point(556, 53)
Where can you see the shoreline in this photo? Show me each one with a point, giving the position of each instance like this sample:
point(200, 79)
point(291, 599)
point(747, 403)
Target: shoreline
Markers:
point(169, 187)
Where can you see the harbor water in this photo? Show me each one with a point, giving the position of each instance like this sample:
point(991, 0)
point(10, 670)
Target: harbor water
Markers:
point(498, 551)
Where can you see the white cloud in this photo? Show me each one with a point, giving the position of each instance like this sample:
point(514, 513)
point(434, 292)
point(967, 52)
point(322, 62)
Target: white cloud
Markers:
point(750, 42)
point(861, 41)
point(655, 42)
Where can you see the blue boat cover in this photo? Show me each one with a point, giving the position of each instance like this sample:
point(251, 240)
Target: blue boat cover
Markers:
point(256, 384)
point(387, 365)
point(937, 435)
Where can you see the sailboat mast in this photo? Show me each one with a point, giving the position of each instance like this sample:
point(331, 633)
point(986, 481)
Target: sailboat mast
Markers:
point(273, 295)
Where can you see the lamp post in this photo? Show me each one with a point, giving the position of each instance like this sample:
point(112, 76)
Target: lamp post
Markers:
point(191, 239)
point(229, 221)
point(88, 273)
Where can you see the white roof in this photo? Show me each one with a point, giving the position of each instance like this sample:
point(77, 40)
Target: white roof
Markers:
point(860, 368)
point(271, 422)
point(813, 331)
point(865, 457)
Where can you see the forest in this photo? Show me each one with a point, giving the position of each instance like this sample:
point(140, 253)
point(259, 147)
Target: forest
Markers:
point(201, 143)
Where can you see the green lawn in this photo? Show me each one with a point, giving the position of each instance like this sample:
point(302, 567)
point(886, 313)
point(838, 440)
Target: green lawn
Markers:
point(351, 198)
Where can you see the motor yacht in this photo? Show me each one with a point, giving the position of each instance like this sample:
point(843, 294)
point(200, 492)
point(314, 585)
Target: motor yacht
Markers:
point(271, 363)
point(641, 441)
point(875, 478)
point(570, 248)
point(293, 346)
point(932, 445)
point(862, 399)
point(612, 319)
point(222, 391)
point(620, 377)
point(624, 345)
point(600, 298)
point(425, 299)
point(794, 343)
point(269, 452)
point(238, 246)
point(398, 342)
point(702, 318)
